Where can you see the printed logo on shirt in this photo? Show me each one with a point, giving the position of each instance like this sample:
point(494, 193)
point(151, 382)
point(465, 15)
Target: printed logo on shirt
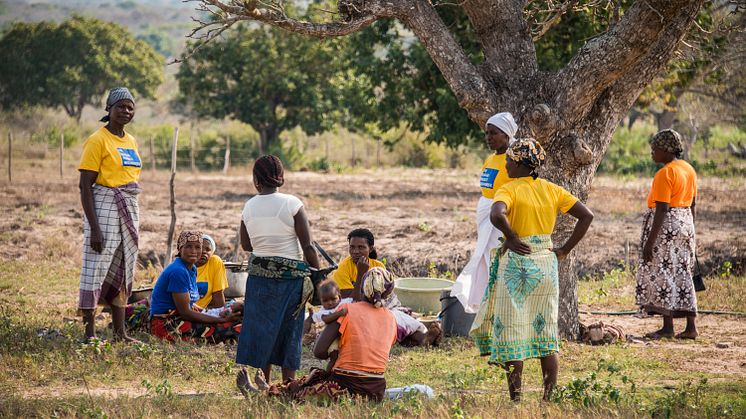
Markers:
point(202, 288)
point(487, 180)
point(129, 157)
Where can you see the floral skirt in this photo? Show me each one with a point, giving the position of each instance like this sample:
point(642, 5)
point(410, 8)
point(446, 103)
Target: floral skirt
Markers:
point(172, 327)
point(517, 319)
point(664, 285)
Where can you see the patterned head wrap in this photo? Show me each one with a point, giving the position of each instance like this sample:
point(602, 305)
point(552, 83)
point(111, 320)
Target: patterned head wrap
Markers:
point(378, 283)
point(188, 236)
point(527, 152)
point(115, 95)
point(668, 140)
point(212, 242)
point(505, 122)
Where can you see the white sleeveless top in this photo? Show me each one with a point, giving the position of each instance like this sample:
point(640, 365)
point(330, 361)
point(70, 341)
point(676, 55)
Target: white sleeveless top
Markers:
point(271, 226)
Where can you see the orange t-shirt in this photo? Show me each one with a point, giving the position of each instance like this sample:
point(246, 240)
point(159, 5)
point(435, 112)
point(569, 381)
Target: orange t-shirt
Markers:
point(368, 333)
point(674, 184)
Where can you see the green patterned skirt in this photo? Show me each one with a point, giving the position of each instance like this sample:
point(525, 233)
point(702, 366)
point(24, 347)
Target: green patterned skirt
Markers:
point(517, 319)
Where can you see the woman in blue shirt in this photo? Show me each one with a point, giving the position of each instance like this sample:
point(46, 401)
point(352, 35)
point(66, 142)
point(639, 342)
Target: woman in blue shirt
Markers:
point(172, 310)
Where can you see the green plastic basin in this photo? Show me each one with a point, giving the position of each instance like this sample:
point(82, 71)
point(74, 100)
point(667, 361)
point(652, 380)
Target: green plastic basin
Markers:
point(421, 294)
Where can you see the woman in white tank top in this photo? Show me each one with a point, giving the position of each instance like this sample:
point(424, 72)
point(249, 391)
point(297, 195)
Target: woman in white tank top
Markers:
point(274, 227)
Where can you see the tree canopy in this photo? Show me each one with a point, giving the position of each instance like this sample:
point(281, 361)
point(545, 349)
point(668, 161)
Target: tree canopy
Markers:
point(74, 63)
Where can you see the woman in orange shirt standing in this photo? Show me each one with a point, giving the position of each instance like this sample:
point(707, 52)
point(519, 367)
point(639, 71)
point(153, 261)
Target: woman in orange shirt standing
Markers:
point(667, 245)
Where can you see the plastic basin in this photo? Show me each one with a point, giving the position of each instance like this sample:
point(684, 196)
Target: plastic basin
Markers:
point(421, 294)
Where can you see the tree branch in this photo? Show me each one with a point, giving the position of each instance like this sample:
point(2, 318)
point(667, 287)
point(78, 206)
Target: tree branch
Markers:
point(472, 91)
point(604, 60)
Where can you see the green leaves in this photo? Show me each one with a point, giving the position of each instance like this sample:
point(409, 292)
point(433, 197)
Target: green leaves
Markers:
point(73, 64)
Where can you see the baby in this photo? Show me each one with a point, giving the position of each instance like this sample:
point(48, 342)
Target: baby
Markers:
point(331, 299)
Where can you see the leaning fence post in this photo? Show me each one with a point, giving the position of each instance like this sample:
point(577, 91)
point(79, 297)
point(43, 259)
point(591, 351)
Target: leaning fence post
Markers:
point(152, 156)
point(173, 196)
point(227, 163)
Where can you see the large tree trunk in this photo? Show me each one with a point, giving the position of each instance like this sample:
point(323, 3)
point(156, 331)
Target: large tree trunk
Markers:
point(572, 112)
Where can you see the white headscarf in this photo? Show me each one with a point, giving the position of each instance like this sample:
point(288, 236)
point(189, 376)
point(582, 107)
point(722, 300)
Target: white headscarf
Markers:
point(506, 123)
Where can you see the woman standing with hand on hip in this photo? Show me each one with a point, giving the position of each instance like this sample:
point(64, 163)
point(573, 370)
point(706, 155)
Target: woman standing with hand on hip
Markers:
point(109, 172)
point(518, 317)
point(274, 227)
point(471, 283)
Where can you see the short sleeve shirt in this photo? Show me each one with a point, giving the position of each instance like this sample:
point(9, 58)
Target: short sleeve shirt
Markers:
point(367, 335)
point(346, 275)
point(211, 278)
point(533, 204)
point(674, 184)
point(175, 278)
point(493, 175)
point(116, 160)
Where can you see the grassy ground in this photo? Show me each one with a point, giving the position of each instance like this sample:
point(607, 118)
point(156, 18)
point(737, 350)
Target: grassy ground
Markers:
point(49, 373)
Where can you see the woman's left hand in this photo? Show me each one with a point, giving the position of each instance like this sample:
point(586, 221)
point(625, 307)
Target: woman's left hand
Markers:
point(560, 252)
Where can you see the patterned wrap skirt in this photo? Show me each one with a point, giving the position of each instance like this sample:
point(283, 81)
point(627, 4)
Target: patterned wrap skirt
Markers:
point(518, 316)
point(664, 285)
point(171, 327)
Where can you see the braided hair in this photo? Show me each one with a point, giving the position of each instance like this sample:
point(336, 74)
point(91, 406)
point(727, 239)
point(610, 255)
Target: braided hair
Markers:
point(366, 234)
point(268, 171)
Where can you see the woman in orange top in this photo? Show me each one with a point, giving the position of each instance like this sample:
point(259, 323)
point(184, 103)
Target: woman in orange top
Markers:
point(667, 245)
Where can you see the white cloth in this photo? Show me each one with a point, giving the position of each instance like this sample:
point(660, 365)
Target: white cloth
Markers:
point(506, 123)
point(325, 311)
point(271, 226)
point(472, 282)
point(397, 393)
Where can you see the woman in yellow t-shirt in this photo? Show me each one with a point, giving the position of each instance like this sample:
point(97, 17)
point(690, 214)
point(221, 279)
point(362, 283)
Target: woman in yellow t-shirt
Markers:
point(518, 317)
point(109, 172)
point(667, 244)
point(211, 277)
point(471, 283)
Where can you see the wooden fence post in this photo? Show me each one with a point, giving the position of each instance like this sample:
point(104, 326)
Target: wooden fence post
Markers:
point(192, 146)
point(152, 156)
point(10, 157)
point(62, 151)
point(227, 163)
point(173, 196)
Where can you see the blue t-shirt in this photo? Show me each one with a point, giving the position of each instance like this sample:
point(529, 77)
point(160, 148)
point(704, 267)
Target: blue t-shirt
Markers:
point(175, 278)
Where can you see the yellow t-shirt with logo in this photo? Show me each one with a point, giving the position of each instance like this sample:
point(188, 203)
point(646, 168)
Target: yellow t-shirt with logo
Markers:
point(493, 175)
point(346, 274)
point(115, 159)
point(532, 204)
point(211, 278)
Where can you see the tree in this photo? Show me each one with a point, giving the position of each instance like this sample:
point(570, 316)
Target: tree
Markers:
point(73, 64)
point(573, 111)
point(264, 77)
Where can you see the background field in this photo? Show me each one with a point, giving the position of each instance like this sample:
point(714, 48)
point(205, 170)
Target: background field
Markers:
point(424, 223)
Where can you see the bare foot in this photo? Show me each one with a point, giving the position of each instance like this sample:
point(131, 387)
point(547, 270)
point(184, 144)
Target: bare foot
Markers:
point(126, 339)
point(244, 384)
point(687, 335)
point(260, 381)
point(659, 334)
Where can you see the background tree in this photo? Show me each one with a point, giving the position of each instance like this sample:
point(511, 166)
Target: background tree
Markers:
point(573, 110)
point(73, 64)
point(266, 78)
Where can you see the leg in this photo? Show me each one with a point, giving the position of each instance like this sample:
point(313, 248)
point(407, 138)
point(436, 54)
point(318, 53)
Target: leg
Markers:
point(664, 332)
point(288, 375)
point(89, 322)
point(514, 370)
point(267, 372)
point(117, 320)
point(549, 369)
point(691, 329)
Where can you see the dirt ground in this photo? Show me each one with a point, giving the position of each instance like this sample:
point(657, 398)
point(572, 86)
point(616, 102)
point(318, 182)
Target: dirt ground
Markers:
point(419, 217)
point(422, 219)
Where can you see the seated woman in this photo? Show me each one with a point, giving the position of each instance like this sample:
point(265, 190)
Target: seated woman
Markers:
point(410, 331)
point(211, 281)
point(365, 333)
point(173, 312)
